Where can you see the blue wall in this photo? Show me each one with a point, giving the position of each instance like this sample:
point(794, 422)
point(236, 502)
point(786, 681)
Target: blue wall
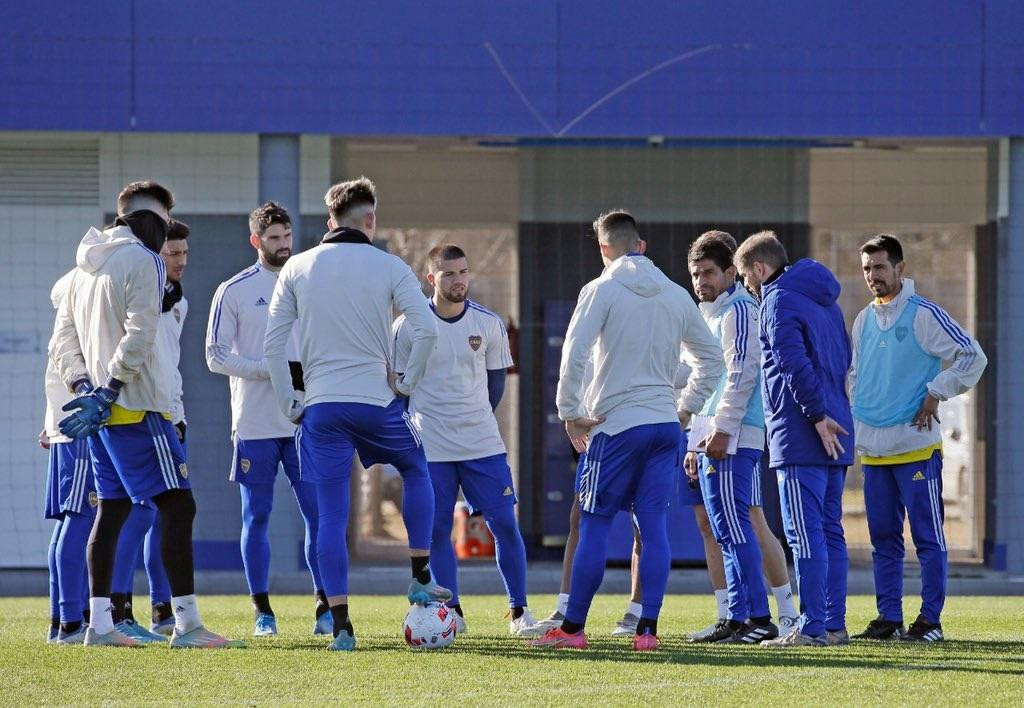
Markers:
point(794, 69)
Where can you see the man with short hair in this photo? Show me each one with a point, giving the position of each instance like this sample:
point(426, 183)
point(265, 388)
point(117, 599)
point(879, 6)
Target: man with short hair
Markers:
point(70, 500)
point(263, 438)
point(452, 409)
point(897, 380)
point(805, 353)
point(103, 347)
point(732, 426)
point(142, 528)
point(627, 421)
point(339, 297)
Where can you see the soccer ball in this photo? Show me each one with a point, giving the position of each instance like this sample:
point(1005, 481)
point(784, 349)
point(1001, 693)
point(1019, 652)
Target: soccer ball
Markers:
point(429, 626)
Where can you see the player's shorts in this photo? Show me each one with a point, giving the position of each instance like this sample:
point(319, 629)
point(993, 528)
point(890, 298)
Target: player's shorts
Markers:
point(486, 483)
point(726, 485)
point(138, 460)
point(256, 461)
point(636, 469)
point(70, 487)
point(331, 433)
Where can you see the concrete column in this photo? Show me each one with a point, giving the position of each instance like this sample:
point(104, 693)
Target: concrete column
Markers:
point(1006, 551)
point(280, 174)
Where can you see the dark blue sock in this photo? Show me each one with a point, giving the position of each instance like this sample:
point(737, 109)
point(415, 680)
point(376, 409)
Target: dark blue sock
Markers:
point(51, 562)
point(159, 587)
point(332, 499)
point(305, 495)
point(442, 555)
point(587, 566)
point(511, 552)
point(257, 503)
point(129, 546)
point(417, 499)
point(655, 562)
point(74, 536)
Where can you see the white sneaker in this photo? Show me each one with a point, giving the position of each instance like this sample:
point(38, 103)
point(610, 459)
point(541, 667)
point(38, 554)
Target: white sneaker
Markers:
point(554, 620)
point(526, 626)
point(460, 624)
point(626, 627)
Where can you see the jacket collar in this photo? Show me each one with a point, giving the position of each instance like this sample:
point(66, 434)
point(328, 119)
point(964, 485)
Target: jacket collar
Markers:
point(344, 234)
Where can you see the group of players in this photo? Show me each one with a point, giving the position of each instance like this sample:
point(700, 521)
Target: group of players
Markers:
point(319, 371)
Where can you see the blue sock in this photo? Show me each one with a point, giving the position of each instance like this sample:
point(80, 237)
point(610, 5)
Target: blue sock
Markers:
point(655, 560)
point(257, 502)
point(442, 555)
point(51, 562)
point(588, 565)
point(305, 495)
point(159, 587)
point(74, 535)
point(511, 552)
point(129, 545)
point(417, 498)
point(332, 500)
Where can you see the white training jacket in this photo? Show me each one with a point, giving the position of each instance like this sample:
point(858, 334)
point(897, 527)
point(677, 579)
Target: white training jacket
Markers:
point(106, 326)
point(234, 347)
point(168, 351)
point(938, 335)
point(741, 346)
point(339, 296)
point(636, 320)
point(57, 394)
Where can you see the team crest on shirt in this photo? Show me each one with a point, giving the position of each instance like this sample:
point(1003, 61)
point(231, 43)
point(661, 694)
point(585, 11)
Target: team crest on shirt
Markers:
point(475, 341)
point(183, 470)
point(245, 464)
point(94, 501)
point(901, 333)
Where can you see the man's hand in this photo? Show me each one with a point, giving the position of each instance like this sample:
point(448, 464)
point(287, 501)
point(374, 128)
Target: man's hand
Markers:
point(829, 432)
point(578, 430)
point(88, 413)
point(690, 465)
point(180, 428)
point(929, 409)
point(393, 379)
point(44, 439)
point(715, 445)
point(684, 418)
point(298, 407)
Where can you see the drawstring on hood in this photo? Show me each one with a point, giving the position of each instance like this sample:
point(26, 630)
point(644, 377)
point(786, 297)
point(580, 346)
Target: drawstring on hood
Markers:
point(147, 226)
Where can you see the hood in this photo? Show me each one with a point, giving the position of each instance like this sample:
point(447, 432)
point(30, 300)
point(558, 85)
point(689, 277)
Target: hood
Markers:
point(97, 246)
point(60, 289)
point(887, 313)
point(638, 274)
point(811, 279)
point(711, 309)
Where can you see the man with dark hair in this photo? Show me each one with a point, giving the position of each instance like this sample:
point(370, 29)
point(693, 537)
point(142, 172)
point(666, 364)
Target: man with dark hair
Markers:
point(142, 528)
point(136, 194)
point(263, 438)
point(730, 436)
point(339, 296)
point(805, 353)
point(627, 420)
point(900, 342)
point(103, 348)
point(452, 409)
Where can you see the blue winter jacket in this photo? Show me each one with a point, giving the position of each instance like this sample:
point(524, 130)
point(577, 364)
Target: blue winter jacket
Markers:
point(805, 356)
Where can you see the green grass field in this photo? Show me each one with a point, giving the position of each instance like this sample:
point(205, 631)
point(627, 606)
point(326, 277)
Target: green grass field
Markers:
point(981, 663)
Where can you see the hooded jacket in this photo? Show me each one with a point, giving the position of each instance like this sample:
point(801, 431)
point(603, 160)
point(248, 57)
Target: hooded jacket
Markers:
point(636, 321)
point(107, 324)
point(57, 393)
point(805, 356)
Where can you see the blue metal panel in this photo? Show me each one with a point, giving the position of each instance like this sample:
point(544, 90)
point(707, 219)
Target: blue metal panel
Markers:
point(531, 69)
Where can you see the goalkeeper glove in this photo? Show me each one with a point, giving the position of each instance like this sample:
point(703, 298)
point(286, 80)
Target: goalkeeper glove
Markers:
point(89, 411)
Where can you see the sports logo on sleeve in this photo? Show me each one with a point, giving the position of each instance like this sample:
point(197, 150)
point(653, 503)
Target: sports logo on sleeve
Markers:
point(475, 341)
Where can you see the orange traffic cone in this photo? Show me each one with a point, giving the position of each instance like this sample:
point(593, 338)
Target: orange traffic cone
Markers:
point(472, 537)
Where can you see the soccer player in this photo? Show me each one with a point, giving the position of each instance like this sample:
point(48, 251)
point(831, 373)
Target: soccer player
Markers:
point(142, 528)
point(734, 440)
point(263, 438)
point(630, 426)
point(71, 501)
point(103, 348)
point(897, 380)
point(339, 297)
point(715, 281)
point(452, 410)
point(805, 353)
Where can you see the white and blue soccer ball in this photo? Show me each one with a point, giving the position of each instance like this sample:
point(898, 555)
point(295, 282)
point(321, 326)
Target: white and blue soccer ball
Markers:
point(429, 626)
